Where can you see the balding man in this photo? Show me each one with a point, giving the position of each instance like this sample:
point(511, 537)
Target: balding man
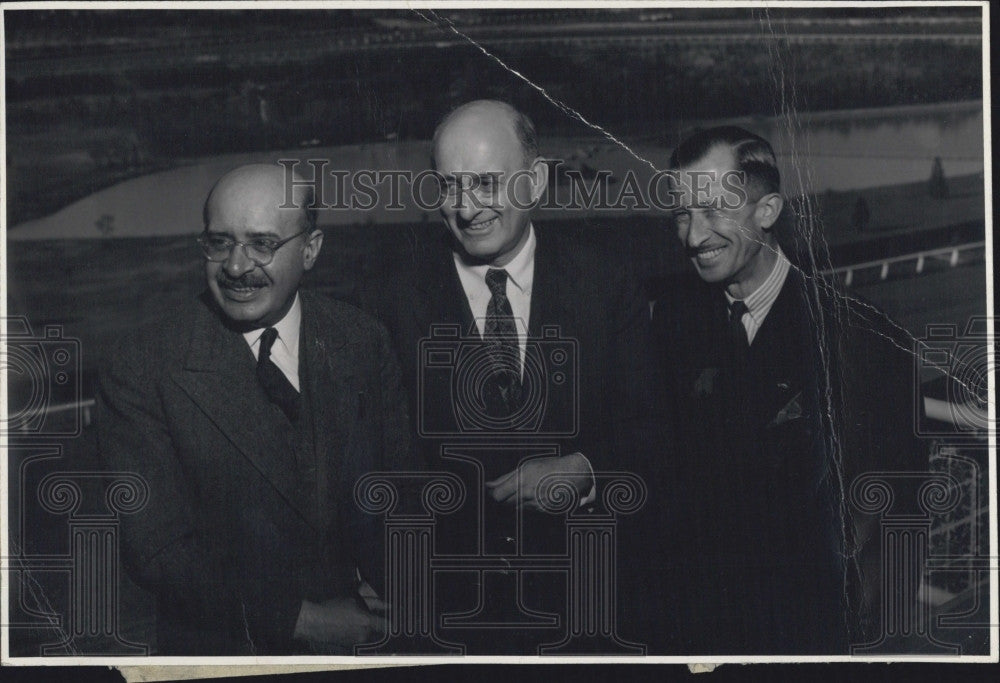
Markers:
point(526, 355)
point(251, 413)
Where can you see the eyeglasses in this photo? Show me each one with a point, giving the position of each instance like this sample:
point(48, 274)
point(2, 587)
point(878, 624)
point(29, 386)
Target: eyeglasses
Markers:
point(488, 185)
point(260, 250)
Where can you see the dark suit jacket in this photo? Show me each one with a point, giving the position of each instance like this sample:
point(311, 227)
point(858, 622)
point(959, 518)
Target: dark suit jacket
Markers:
point(760, 556)
point(236, 533)
point(597, 314)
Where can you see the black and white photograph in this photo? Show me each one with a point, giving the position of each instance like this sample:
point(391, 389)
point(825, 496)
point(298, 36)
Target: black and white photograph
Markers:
point(361, 333)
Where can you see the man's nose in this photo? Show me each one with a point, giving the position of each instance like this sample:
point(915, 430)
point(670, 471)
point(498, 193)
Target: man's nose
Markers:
point(697, 229)
point(238, 263)
point(470, 205)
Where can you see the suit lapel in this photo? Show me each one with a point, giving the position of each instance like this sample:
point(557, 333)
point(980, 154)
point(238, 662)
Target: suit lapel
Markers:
point(440, 298)
point(775, 355)
point(219, 377)
point(548, 295)
point(333, 385)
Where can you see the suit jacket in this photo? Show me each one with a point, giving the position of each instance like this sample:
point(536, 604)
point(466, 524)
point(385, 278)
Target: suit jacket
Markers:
point(598, 399)
point(763, 555)
point(245, 517)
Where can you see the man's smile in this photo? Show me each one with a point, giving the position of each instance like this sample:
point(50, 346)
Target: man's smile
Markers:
point(707, 255)
point(481, 227)
point(240, 290)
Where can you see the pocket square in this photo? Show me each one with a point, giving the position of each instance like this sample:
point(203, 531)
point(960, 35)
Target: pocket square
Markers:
point(791, 411)
point(705, 384)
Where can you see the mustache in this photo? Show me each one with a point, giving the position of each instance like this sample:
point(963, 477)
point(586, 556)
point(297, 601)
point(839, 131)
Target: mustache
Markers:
point(245, 280)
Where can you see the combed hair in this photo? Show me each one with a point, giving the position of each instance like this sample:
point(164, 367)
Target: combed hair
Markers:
point(309, 211)
point(526, 135)
point(754, 155)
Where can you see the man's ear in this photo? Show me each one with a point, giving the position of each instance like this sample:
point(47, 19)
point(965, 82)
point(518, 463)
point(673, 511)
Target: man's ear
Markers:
point(312, 248)
point(539, 177)
point(768, 209)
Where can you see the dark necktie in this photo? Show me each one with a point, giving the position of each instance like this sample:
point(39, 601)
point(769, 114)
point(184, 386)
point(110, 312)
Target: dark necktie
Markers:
point(738, 343)
point(276, 385)
point(502, 387)
point(737, 408)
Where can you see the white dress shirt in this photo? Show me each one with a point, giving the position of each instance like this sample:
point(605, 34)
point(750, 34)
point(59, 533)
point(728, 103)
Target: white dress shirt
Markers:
point(520, 276)
point(285, 350)
point(760, 301)
point(520, 279)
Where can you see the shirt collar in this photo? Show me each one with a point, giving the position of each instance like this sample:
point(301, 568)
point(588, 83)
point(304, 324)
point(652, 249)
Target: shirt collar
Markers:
point(764, 296)
point(520, 271)
point(288, 329)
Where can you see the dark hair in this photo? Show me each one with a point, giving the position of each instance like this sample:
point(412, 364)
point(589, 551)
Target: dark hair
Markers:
point(309, 211)
point(526, 135)
point(524, 129)
point(754, 155)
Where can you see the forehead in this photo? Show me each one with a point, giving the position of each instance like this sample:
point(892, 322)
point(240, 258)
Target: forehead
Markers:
point(478, 144)
point(707, 177)
point(246, 208)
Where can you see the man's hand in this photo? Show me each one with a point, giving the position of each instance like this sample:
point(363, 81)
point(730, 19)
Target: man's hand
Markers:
point(520, 487)
point(340, 623)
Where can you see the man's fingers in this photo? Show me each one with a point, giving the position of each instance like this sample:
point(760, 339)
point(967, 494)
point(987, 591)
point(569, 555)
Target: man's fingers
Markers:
point(517, 494)
point(375, 604)
point(530, 505)
point(377, 623)
point(504, 492)
point(521, 485)
point(503, 488)
point(501, 479)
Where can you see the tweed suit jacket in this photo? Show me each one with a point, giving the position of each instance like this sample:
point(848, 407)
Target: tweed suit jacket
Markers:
point(236, 533)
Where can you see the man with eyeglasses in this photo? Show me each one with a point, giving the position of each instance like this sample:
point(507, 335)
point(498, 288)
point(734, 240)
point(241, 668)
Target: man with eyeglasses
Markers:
point(545, 373)
point(786, 391)
point(250, 414)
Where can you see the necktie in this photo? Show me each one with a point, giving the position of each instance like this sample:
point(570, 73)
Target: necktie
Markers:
point(738, 343)
point(736, 406)
point(276, 385)
point(502, 385)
